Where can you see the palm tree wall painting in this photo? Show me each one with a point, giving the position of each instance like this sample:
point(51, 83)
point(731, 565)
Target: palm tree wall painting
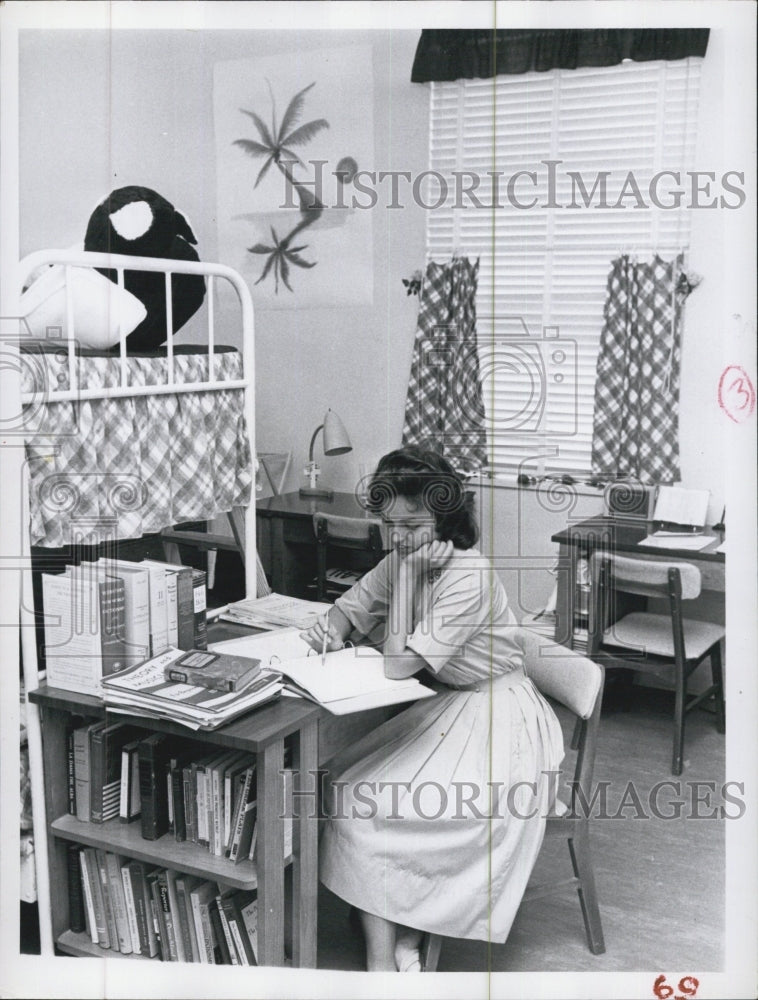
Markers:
point(291, 135)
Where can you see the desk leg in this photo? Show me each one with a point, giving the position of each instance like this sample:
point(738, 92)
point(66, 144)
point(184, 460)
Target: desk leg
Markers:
point(270, 854)
point(305, 863)
point(566, 597)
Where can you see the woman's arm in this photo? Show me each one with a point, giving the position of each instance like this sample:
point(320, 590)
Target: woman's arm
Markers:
point(410, 582)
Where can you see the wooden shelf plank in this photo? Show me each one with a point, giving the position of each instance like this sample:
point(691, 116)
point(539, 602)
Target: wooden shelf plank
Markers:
point(81, 945)
point(126, 838)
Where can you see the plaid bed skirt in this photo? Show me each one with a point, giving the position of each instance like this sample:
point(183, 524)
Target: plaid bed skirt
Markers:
point(125, 467)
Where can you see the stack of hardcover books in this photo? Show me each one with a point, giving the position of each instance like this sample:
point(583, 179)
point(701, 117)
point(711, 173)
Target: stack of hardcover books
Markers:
point(109, 614)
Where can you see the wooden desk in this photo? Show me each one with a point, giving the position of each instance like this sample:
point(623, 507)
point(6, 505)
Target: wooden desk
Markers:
point(286, 540)
point(612, 535)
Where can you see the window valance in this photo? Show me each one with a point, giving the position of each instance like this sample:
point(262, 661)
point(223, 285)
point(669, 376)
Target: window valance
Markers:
point(454, 54)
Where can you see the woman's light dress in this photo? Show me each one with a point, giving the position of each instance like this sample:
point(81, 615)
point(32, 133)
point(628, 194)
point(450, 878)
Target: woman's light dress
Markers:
point(438, 815)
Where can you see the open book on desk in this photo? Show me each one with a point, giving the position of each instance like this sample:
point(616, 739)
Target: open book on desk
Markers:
point(351, 679)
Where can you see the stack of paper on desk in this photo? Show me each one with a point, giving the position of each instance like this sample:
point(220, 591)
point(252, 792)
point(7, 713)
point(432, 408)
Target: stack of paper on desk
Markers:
point(275, 611)
point(350, 680)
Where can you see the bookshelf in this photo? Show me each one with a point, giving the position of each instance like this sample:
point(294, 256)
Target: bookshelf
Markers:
point(261, 733)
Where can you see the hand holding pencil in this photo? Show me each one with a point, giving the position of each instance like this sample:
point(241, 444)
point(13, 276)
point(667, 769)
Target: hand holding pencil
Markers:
point(327, 634)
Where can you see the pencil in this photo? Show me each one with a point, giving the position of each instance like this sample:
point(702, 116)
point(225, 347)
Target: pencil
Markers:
point(325, 638)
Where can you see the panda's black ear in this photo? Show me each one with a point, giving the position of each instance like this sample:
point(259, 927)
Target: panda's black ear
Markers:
point(183, 228)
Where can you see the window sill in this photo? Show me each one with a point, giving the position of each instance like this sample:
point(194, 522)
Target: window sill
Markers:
point(506, 481)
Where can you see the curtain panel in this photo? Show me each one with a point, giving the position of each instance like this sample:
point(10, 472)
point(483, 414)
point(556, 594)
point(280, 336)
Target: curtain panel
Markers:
point(636, 420)
point(444, 408)
point(454, 54)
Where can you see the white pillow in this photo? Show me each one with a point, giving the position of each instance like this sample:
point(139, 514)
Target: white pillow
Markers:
point(97, 302)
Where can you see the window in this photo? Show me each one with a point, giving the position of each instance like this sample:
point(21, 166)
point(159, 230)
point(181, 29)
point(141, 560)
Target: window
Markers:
point(546, 177)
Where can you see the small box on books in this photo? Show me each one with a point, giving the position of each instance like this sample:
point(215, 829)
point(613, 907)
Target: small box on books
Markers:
point(216, 671)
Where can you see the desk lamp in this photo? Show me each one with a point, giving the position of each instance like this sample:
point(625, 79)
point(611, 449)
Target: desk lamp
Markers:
point(336, 442)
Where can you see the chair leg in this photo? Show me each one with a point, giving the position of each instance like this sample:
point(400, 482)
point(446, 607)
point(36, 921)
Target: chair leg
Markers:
point(577, 734)
point(430, 952)
point(579, 848)
point(717, 672)
point(679, 711)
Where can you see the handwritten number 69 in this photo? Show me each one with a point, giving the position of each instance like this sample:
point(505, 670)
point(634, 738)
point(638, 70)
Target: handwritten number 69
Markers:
point(687, 987)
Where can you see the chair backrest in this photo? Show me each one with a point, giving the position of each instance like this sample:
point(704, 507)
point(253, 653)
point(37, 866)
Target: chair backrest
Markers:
point(361, 534)
point(577, 683)
point(648, 577)
point(348, 532)
point(560, 673)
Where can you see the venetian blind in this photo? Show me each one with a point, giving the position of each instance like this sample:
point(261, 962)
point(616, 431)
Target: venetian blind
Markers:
point(545, 253)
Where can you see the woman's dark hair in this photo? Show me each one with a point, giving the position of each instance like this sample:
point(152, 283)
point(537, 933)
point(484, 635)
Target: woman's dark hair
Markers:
point(417, 472)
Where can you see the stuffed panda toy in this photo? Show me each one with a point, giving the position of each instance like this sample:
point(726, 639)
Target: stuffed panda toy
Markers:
point(140, 222)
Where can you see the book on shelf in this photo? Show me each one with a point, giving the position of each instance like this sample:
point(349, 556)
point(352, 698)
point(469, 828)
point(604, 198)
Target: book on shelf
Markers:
point(180, 602)
point(224, 892)
point(73, 644)
point(106, 746)
point(215, 671)
point(153, 796)
point(200, 608)
point(129, 794)
point(82, 763)
point(89, 902)
point(184, 886)
point(112, 612)
point(141, 890)
point(144, 689)
point(110, 916)
point(159, 915)
point(158, 607)
point(244, 816)
point(275, 611)
point(243, 923)
point(221, 954)
point(201, 898)
point(136, 606)
point(131, 907)
point(118, 903)
point(89, 862)
point(351, 679)
point(76, 905)
point(234, 778)
point(176, 918)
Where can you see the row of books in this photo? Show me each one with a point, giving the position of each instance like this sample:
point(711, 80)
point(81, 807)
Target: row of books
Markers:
point(131, 907)
point(171, 786)
point(103, 616)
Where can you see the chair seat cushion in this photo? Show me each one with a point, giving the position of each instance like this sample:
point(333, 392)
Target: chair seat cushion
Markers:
point(653, 634)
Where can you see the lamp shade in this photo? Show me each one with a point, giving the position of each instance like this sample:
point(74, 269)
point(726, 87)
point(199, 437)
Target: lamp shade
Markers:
point(336, 441)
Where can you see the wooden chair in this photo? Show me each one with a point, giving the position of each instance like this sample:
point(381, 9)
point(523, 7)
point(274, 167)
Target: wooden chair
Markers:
point(358, 536)
point(577, 683)
point(648, 642)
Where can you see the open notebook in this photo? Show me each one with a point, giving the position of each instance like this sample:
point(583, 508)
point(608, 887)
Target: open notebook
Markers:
point(351, 680)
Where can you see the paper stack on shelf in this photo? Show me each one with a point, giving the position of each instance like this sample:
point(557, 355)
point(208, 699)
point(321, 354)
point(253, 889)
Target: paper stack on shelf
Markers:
point(275, 611)
point(351, 679)
point(144, 690)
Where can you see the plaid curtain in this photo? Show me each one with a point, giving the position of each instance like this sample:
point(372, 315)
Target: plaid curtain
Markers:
point(444, 407)
point(636, 426)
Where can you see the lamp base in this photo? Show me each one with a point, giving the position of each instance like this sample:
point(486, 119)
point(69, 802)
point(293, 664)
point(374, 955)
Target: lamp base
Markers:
point(308, 491)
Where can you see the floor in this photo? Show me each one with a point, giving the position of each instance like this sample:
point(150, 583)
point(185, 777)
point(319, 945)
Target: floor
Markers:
point(660, 881)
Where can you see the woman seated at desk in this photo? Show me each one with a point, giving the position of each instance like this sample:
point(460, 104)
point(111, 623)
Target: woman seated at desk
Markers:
point(442, 809)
